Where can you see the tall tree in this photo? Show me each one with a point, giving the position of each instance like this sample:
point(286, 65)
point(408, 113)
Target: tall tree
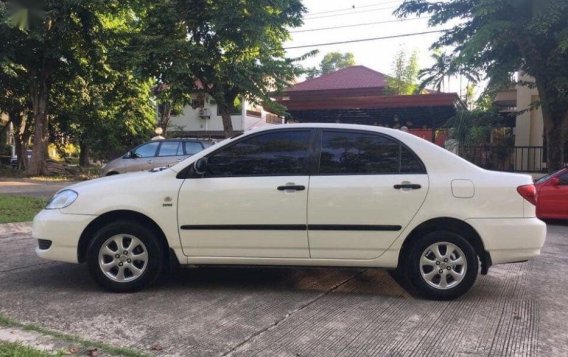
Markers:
point(331, 62)
point(436, 75)
point(506, 36)
point(54, 44)
point(405, 74)
point(225, 48)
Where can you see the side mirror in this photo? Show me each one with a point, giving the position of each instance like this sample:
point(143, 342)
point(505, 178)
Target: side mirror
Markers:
point(555, 181)
point(128, 155)
point(200, 166)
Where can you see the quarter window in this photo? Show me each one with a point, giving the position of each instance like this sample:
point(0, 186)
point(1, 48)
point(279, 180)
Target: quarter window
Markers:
point(280, 153)
point(192, 147)
point(351, 153)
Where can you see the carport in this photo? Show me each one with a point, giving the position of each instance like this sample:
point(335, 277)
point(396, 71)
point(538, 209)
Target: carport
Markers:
point(359, 95)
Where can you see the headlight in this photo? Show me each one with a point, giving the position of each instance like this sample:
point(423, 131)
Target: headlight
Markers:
point(62, 199)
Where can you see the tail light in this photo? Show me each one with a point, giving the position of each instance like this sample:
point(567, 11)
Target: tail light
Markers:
point(528, 192)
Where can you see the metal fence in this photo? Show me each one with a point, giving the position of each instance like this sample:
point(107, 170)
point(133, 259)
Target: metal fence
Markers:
point(506, 158)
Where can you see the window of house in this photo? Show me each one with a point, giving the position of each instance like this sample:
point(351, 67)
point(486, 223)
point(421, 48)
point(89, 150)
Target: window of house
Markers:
point(351, 153)
point(281, 153)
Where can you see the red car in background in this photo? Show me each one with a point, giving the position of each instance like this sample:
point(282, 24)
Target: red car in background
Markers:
point(552, 195)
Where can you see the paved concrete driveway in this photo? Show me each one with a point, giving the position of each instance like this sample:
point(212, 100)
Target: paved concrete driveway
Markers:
point(517, 310)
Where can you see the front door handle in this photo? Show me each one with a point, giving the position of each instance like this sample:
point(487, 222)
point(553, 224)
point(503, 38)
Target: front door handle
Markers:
point(408, 186)
point(291, 188)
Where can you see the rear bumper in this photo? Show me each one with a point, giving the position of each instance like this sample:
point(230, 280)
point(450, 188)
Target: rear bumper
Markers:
point(509, 240)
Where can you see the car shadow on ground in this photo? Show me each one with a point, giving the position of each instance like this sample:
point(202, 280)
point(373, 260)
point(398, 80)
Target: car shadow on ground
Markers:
point(299, 279)
point(72, 278)
point(557, 222)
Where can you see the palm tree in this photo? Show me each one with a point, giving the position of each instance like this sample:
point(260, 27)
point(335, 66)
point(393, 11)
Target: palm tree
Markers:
point(436, 75)
point(445, 66)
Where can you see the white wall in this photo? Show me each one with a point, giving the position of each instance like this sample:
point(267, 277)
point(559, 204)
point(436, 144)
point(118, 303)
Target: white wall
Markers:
point(190, 120)
point(529, 125)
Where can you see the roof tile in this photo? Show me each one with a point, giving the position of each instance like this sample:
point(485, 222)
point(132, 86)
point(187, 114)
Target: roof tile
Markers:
point(346, 78)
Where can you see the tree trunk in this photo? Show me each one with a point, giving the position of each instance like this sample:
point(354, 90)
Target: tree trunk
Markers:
point(20, 138)
point(7, 126)
point(554, 144)
point(39, 97)
point(555, 120)
point(227, 122)
point(84, 158)
point(165, 112)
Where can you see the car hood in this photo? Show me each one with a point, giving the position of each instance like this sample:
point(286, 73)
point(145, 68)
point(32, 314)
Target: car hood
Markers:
point(137, 190)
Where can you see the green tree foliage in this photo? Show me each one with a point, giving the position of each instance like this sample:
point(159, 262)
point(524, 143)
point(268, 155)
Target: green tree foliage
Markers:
point(225, 48)
point(506, 36)
point(440, 71)
point(405, 74)
point(331, 62)
point(473, 127)
point(445, 66)
point(66, 56)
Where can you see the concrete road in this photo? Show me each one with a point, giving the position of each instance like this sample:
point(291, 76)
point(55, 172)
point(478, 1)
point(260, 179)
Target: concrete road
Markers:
point(517, 310)
point(27, 187)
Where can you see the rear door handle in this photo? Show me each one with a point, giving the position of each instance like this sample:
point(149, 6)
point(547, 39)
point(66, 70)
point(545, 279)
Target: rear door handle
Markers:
point(410, 186)
point(291, 188)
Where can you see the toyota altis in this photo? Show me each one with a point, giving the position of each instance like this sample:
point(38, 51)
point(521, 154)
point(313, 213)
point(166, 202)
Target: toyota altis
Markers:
point(302, 195)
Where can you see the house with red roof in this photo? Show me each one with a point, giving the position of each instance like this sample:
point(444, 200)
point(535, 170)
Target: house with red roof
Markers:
point(359, 95)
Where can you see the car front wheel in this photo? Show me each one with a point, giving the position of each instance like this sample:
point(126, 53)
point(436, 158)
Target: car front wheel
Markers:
point(442, 265)
point(125, 257)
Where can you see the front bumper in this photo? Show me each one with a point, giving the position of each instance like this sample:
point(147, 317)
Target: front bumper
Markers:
point(510, 240)
point(63, 230)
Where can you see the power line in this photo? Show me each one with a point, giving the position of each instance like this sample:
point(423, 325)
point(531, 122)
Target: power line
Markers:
point(351, 13)
point(351, 8)
point(365, 39)
point(359, 25)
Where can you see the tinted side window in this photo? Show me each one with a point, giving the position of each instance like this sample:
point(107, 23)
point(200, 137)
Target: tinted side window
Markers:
point(147, 150)
point(169, 148)
point(192, 147)
point(281, 153)
point(349, 153)
point(409, 163)
point(564, 179)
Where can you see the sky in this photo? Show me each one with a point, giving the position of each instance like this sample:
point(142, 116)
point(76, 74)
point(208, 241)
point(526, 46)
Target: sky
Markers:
point(377, 54)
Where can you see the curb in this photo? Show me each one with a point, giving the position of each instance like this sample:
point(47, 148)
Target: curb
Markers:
point(16, 228)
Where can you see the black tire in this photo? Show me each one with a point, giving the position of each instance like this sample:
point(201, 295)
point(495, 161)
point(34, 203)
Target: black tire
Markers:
point(434, 287)
point(149, 270)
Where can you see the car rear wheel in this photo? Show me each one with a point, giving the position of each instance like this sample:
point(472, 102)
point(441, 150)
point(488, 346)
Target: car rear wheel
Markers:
point(125, 257)
point(442, 265)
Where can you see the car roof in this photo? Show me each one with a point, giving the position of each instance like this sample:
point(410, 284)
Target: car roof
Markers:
point(323, 125)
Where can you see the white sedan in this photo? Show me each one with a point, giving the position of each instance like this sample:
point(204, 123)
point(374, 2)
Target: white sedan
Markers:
point(302, 195)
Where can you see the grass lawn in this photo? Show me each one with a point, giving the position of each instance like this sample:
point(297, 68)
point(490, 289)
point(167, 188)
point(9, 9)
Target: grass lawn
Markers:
point(16, 350)
point(19, 208)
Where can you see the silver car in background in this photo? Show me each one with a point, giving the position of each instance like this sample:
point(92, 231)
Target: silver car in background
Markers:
point(154, 154)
